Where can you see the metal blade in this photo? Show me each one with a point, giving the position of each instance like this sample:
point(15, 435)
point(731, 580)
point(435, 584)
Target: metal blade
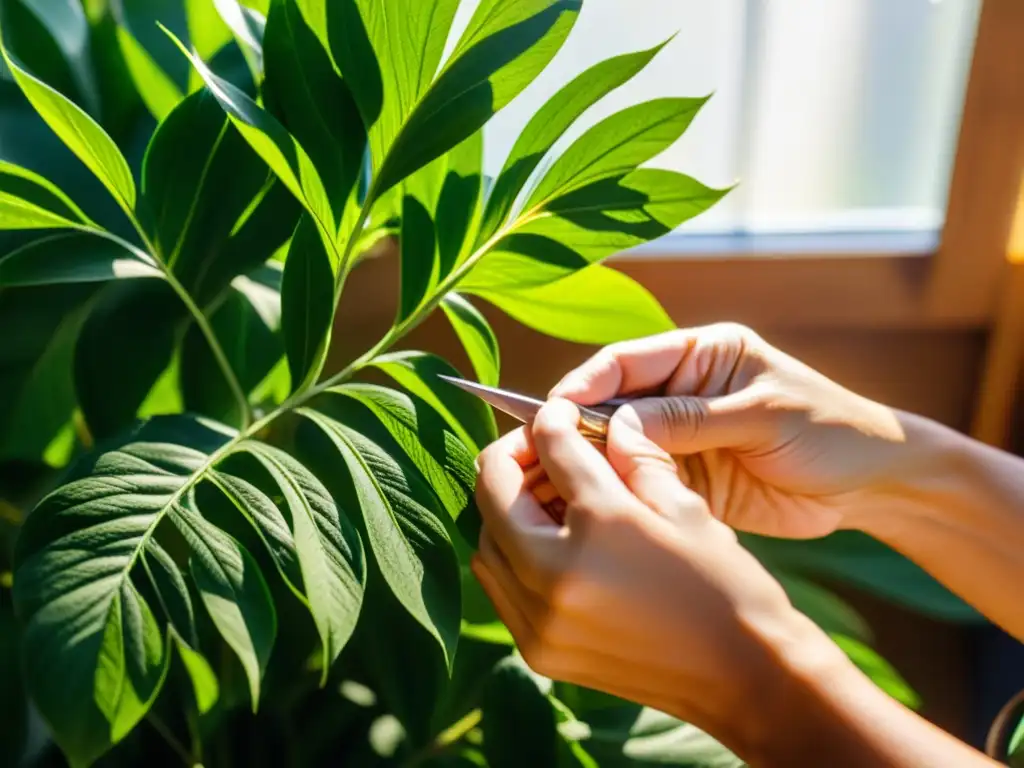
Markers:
point(517, 406)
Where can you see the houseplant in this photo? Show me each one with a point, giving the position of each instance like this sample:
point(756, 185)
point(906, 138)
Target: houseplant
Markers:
point(225, 551)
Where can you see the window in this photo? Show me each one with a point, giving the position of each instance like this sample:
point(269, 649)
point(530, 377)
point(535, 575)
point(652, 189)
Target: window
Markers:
point(835, 115)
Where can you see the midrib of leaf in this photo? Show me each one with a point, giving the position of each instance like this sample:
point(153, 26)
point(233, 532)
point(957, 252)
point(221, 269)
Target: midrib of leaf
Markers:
point(176, 252)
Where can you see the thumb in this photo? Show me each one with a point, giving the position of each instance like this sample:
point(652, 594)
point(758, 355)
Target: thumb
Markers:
point(648, 471)
point(685, 424)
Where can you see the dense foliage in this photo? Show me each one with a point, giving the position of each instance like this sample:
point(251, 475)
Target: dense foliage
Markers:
point(225, 551)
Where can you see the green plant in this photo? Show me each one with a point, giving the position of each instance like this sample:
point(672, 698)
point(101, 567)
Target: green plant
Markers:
point(236, 554)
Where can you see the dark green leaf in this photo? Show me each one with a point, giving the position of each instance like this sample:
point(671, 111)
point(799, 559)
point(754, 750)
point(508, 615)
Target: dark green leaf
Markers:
point(28, 201)
point(14, 724)
point(409, 543)
point(596, 305)
point(233, 590)
point(125, 346)
point(247, 26)
point(458, 210)
point(73, 258)
point(477, 338)
point(617, 145)
point(94, 657)
point(172, 593)
point(307, 305)
point(314, 101)
point(200, 178)
point(79, 132)
point(494, 61)
point(329, 549)
point(418, 256)
point(588, 225)
point(37, 394)
point(518, 721)
point(469, 417)
point(550, 122)
point(159, 92)
point(277, 148)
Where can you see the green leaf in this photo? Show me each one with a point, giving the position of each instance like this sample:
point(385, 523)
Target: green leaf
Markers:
point(91, 644)
point(314, 101)
point(617, 145)
point(330, 551)
point(277, 148)
point(468, 416)
point(200, 178)
point(550, 122)
point(73, 258)
point(418, 256)
point(247, 26)
point(204, 681)
point(864, 562)
point(494, 61)
point(159, 92)
point(248, 323)
point(37, 393)
point(171, 591)
point(79, 132)
point(307, 305)
point(409, 543)
point(824, 608)
point(518, 721)
point(1015, 748)
point(881, 672)
point(433, 448)
point(459, 203)
point(477, 338)
point(234, 592)
point(28, 201)
point(588, 225)
point(596, 305)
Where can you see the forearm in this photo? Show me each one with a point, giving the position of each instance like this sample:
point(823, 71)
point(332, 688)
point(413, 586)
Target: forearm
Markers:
point(958, 512)
point(819, 709)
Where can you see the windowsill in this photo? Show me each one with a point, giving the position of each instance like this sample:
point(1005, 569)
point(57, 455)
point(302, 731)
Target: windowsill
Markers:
point(923, 242)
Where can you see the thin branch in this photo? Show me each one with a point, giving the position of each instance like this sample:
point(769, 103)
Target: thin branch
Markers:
point(160, 727)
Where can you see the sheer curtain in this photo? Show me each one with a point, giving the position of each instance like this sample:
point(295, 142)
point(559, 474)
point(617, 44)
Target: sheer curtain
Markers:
point(834, 115)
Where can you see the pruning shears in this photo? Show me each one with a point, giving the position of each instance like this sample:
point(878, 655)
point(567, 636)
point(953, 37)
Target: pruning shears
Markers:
point(593, 419)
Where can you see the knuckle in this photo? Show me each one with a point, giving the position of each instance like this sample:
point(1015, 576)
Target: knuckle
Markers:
point(682, 417)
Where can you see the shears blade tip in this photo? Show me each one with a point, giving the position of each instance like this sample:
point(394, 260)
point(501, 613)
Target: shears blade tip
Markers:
point(518, 406)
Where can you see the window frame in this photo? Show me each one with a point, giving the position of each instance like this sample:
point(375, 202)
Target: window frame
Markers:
point(951, 282)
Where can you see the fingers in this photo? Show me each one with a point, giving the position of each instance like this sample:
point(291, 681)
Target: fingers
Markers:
point(576, 468)
point(685, 425)
point(688, 361)
point(650, 472)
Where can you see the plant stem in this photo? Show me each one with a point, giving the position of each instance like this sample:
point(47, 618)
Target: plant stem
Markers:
point(160, 727)
point(197, 314)
point(450, 735)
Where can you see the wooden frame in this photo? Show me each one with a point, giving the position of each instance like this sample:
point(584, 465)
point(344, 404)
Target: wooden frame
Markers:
point(954, 285)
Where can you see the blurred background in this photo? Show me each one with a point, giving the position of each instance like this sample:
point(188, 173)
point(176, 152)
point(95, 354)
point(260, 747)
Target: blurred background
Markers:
point(879, 147)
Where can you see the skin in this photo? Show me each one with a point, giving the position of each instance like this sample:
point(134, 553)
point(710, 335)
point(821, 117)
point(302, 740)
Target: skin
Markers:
point(642, 589)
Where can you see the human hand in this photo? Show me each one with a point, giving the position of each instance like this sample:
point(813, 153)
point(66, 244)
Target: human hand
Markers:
point(774, 447)
point(641, 593)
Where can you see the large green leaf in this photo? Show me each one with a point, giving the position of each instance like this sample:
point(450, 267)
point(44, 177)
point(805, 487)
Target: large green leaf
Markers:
point(469, 417)
point(477, 338)
point(307, 305)
point(28, 201)
point(329, 550)
point(550, 122)
point(200, 178)
point(159, 92)
point(418, 256)
point(518, 721)
point(590, 224)
point(247, 27)
point(432, 447)
point(278, 149)
point(617, 145)
point(73, 258)
point(79, 132)
point(596, 305)
point(314, 101)
point(409, 543)
point(93, 652)
point(494, 61)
